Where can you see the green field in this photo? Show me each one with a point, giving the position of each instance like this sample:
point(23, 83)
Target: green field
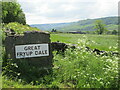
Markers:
point(76, 68)
point(102, 42)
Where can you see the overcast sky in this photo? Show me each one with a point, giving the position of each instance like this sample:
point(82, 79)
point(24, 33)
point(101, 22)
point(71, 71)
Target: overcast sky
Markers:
point(57, 11)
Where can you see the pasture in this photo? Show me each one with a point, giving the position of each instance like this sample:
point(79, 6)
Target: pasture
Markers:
point(77, 68)
point(102, 42)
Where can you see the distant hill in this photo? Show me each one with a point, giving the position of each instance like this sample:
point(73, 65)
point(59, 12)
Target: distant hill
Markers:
point(82, 25)
point(49, 27)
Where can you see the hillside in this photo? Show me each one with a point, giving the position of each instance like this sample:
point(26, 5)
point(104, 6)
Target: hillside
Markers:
point(82, 25)
point(48, 27)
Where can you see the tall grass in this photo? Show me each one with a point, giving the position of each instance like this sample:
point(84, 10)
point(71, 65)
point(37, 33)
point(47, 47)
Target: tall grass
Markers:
point(77, 68)
point(81, 69)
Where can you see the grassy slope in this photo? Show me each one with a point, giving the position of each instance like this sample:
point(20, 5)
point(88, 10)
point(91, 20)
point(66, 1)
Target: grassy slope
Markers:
point(82, 25)
point(102, 42)
point(87, 25)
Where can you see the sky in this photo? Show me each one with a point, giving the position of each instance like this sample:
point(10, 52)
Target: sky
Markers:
point(59, 11)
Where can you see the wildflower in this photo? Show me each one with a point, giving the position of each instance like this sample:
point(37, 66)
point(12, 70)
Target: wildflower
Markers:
point(109, 60)
point(110, 47)
point(74, 76)
point(105, 72)
point(87, 74)
point(115, 47)
point(101, 83)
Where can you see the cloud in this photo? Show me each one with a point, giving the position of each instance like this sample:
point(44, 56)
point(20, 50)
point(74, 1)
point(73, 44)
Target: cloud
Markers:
point(54, 11)
point(101, 9)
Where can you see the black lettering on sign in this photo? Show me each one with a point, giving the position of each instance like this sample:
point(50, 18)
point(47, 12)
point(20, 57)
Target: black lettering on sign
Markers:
point(32, 50)
point(38, 47)
point(31, 53)
point(36, 52)
point(45, 51)
point(19, 54)
point(25, 48)
point(41, 52)
point(31, 47)
point(35, 47)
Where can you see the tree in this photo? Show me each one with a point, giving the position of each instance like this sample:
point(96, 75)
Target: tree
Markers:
point(12, 12)
point(114, 32)
point(100, 27)
point(54, 30)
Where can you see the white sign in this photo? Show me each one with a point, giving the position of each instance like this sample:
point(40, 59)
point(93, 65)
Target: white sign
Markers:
point(32, 50)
